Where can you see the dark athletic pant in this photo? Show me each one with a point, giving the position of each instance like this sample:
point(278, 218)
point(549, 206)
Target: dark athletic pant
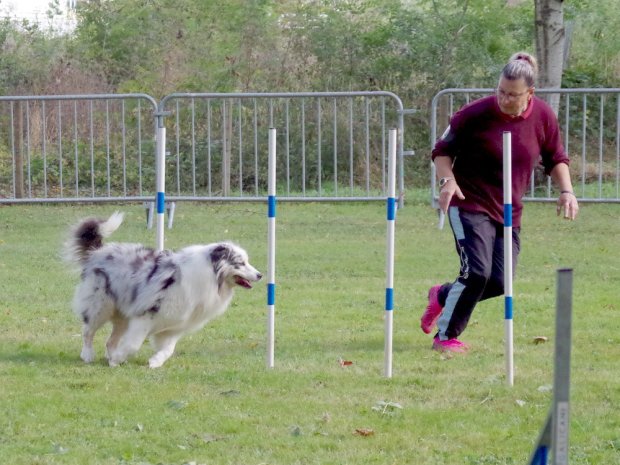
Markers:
point(480, 245)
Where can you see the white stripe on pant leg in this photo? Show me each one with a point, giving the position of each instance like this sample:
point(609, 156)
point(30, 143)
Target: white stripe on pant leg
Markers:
point(448, 310)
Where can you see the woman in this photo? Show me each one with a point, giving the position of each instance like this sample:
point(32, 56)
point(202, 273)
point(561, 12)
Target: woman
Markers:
point(468, 160)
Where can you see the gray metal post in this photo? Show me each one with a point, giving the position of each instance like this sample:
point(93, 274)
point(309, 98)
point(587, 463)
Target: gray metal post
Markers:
point(554, 435)
point(561, 382)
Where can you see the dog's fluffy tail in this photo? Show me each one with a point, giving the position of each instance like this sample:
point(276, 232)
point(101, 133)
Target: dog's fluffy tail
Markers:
point(88, 236)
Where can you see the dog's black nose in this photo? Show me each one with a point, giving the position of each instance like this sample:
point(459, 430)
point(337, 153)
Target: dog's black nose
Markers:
point(259, 276)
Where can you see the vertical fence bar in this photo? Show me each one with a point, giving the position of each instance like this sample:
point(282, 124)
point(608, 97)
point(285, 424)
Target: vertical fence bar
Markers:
point(76, 151)
point(389, 279)
point(401, 158)
point(351, 185)
point(209, 181)
point(193, 113)
point(508, 330)
point(28, 152)
point(303, 148)
point(255, 125)
point(92, 149)
point(367, 128)
point(240, 142)
point(139, 116)
point(107, 147)
point(383, 155)
point(271, 248)
point(584, 127)
point(13, 151)
point(617, 145)
point(124, 147)
point(335, 145)
point(44, 146)
point(59, 135)
point(319, 142)
point(600, 146)
point(288, 146)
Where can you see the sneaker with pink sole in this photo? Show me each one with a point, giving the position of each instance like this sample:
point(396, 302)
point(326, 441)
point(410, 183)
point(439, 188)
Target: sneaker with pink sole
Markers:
point(433, 310)
point(450, 345)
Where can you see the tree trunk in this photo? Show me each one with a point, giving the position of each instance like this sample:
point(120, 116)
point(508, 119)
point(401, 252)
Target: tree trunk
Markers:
point(550, 46)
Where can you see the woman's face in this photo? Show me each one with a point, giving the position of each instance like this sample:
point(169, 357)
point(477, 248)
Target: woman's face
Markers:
point(513, 96)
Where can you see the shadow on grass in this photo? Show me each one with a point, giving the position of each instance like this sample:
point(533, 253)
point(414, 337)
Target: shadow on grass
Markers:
point(28, 354)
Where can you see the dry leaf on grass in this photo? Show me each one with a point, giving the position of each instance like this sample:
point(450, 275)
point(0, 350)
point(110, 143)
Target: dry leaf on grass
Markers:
point(540, 339)
point(364, 432)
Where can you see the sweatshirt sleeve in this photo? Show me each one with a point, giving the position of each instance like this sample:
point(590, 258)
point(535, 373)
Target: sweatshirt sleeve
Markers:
point(447, 145)
point(552, 149)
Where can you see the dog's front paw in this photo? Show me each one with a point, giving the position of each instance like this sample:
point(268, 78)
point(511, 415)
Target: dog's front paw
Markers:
point(88, 355)
point(156, 362)
point(115, 361)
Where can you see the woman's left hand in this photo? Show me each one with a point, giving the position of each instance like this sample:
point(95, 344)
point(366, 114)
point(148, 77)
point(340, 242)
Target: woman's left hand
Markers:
point(568, 202)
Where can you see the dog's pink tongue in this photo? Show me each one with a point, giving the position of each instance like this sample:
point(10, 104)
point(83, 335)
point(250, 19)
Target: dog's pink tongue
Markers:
point(243, 282)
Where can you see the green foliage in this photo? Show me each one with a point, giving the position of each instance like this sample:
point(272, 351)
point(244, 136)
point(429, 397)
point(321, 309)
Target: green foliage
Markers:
point(411, 48)
point(29, 53)
point(595, 47)
point(162, 47)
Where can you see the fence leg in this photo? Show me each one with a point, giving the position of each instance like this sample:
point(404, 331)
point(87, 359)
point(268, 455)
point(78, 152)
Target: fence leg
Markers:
point(150, 208)
point(170, 208)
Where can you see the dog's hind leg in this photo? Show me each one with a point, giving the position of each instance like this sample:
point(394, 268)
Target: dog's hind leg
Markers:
point(88, 351)
point(92, 322)
point(164, 344)
point(130, 341)
point(119, 327)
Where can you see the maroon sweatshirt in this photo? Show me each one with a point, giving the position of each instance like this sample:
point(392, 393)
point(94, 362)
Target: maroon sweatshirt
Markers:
point(474, 142)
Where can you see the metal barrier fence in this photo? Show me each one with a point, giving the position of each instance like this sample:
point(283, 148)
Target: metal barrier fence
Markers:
point(590, 125)
point(331, 146)
point(93, 148)
point(98, 148)
point(77, 148)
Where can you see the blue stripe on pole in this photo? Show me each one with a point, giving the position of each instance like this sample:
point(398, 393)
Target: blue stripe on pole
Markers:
point(271, 294)
point(508, 215)
point(391, 208)
point(271, 209)
point(161, 202)
point(508, 307)
point(389, 299)
point(540, 458)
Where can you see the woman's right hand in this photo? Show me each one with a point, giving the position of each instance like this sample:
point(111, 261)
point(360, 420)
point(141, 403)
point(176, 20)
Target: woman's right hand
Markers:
point(447, 192)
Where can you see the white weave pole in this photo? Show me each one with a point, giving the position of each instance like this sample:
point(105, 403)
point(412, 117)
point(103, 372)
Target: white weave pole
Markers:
point(508, 327)
point(271, 249)
point(389, 271)
point(160, 201)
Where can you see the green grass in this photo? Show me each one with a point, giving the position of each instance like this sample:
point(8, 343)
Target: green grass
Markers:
point(215, 402)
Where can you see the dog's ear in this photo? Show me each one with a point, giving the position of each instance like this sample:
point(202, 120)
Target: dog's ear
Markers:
point(218, 253)
point(219, 256)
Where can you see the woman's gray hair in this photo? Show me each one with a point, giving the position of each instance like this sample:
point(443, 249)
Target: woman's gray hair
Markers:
point(521, 65)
